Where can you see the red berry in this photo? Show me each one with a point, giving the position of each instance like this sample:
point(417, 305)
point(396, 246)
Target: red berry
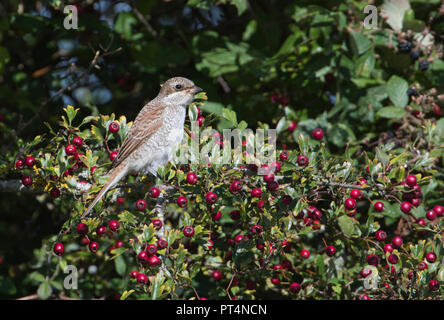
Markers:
point(235, 187)
point(94, 247)
point(302, 160)
point(55, 192)
point(153, 261)
point(431, 215)
point(101, 230)
point(157, 224)
point(256, 229)
point(378, 206)
point(433, 285)
point(191, 178)
point(143, 256)
point(27, 180)
point(365, 272)
point(350, 203)
point(182, 202)
point(422, 266)
point(114, 127)
point(93, 168)
point(397, 241)
point(269, 177)
point(30, 161)
point(406, 206)
point(272, 186)
point(59, 249)
point(162, 244)
point(261, 204)
point(20, 164)
point(140, 204)
point(294, 287)
point(317, 133)
point(305, 254)
point(431, 257)
point(381, 235)
point(120, 200)
point(238, 238)
point(330, 251)
point(113, 155)
point(113, 225)
point(373, 259)
point(393, 258)
point(388, 248)
point(84, 241)
point(439, 210)
point(283, 155)
point(364, 297)
point(77, 141)
point(410, 180)
point(256, 192)
point(216, 216)
point(154, 192)
point(235, 214)
point(188, 231)
point(275, 280)
point(119, 244)
point(292, 126)
point(134, 274)
point(70, 149)
point(287, 200)
point(82, 228)
point(200, 121)
point(211, 197)
point(355, 194)
point(142, 279)
point(216, 275)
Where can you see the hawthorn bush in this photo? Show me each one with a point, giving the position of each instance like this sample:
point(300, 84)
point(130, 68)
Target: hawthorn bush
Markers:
point(351, 208)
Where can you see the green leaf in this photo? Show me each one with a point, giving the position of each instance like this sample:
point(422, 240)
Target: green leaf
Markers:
point(4, 58)
point(126, 294)
point(120, 265)
point(348, 226)
point(230, 115)
point(397, 91)
point(44, 291)
point(391, 112)
point(360, 43)
point(124, 23)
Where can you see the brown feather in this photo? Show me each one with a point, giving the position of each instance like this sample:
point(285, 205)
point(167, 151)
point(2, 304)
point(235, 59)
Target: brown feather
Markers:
point(147, 122)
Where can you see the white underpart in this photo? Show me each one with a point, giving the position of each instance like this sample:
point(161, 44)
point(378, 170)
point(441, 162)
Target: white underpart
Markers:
point(159, 149)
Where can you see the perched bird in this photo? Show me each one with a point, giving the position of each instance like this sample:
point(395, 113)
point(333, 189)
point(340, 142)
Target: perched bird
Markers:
point(158, 127)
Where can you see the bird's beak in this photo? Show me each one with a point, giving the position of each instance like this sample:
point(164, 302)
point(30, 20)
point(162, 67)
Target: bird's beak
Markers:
point(196, 90)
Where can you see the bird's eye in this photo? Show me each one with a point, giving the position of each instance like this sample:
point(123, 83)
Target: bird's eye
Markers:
point(178, 86)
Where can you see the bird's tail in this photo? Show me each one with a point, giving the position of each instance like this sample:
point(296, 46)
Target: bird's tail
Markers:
point(115, 176)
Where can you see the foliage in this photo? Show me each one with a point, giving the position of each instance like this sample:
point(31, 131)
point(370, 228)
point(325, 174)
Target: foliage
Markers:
point(263, 65)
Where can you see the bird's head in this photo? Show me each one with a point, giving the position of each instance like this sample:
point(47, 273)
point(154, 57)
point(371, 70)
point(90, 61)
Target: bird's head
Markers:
point(179, 91)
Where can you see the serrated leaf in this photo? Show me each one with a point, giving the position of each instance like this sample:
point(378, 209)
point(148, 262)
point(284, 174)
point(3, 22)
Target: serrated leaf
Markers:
point(397, 91)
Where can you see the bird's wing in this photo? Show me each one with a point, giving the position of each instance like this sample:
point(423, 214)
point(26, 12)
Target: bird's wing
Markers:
point(147, 122)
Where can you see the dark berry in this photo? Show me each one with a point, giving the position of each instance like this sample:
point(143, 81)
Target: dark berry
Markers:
point(405, 47)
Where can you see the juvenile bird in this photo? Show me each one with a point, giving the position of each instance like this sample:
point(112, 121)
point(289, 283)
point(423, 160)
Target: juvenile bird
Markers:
point(158, 127)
